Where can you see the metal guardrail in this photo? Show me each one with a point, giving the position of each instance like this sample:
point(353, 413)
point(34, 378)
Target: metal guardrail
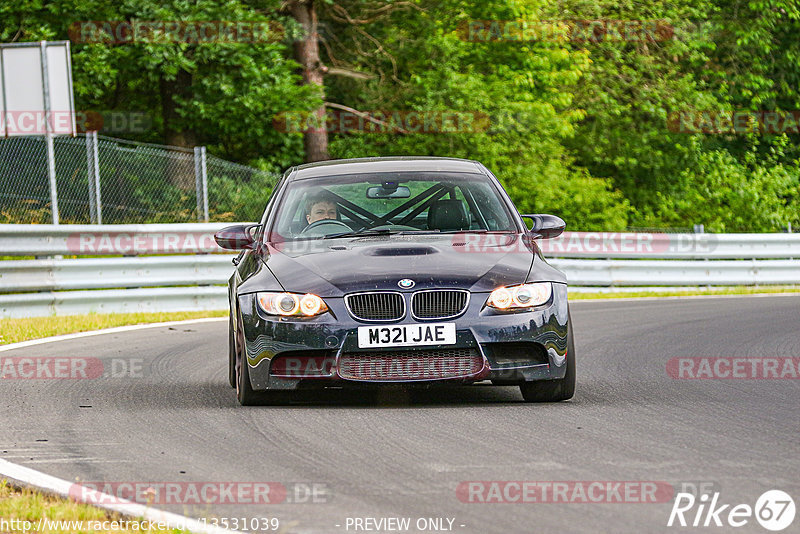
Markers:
point(167, 271)
point(193, 275)
point(86, 239)
point(679, 272)
point(100, 240)
point(157, 299)
point(621, 245)
point(103, 273)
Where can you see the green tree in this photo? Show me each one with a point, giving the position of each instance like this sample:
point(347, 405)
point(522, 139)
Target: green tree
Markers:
point(223, 94)
point(420, 60)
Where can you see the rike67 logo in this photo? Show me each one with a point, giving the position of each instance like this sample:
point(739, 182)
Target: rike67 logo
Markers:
point(774, 510)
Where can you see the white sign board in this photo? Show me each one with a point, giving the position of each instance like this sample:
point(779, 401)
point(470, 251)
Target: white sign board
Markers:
point(36, 89)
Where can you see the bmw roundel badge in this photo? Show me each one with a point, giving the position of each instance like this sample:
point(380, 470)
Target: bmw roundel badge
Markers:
point(406, 283)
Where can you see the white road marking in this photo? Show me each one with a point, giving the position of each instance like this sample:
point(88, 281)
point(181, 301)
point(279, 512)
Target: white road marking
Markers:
point(42, 481)
point(115, 330)
point(684, 297)
point(51, 484)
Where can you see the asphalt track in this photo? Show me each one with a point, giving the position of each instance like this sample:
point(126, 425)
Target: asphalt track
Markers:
point(403, 454)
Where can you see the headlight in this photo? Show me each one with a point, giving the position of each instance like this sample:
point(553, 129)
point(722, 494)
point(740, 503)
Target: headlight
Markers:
point(287, 304)
point(520, 297)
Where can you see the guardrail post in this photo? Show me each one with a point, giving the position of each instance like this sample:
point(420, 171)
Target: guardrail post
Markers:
point(93, 176)
point(201, 183)
point(700, 229)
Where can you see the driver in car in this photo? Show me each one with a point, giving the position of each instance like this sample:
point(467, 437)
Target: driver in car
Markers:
point(319, 207)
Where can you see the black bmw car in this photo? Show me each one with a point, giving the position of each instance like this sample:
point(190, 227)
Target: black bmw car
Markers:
point(403, 270)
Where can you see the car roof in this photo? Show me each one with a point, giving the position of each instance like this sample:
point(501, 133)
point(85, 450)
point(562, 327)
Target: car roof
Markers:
point(386, 164)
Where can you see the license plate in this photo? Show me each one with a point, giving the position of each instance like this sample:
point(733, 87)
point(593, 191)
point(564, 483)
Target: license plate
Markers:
point(407, 335)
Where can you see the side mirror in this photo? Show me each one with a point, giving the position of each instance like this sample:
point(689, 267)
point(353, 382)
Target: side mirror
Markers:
point(237, 237)
point(546, 226)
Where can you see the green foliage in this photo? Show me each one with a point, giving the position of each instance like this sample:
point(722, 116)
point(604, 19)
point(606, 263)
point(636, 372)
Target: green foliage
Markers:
point(574, 127)
point(235, 199)
point(585, 202)
point(715, 62)
point(727, 195)
point(224, 93)
point(524, 92)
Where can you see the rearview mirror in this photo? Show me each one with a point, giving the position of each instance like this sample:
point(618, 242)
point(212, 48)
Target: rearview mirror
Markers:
point(390, 191)
point(546, 226)
point(237, 237)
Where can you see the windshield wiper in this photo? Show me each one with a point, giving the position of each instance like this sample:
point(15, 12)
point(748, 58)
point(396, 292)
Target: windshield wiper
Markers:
point(379, 231)
point(382, 231)
point(478, 231)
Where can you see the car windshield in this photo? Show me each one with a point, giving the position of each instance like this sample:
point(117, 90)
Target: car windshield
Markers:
point(398, 202)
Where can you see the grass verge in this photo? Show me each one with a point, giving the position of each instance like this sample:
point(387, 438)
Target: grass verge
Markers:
point(16, 330)
point(737, 290)
point(40, 510)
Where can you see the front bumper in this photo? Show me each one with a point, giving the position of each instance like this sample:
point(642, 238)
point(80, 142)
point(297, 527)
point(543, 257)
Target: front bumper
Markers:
point(513, 347)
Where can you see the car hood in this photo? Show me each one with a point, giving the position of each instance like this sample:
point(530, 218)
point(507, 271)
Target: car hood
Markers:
point(333, 267)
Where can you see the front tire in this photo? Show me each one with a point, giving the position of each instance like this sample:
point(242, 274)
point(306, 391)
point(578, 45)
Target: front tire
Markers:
point(557, 390)
point(231, 353)
point(244, 390)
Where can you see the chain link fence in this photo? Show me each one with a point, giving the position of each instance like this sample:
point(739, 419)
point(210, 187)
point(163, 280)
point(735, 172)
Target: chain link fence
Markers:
point(100, 179)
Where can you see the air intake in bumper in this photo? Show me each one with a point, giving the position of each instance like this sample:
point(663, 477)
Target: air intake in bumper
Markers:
point(408, 365)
